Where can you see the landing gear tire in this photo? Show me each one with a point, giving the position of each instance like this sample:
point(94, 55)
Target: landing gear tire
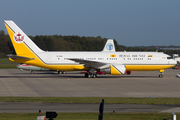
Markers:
point(86, 75)
point(89, 76)
point(59, 73)
point(160, 76)
point(96, 75)
point(93, 75)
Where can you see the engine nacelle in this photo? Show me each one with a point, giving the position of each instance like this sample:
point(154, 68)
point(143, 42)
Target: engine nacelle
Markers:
point(115, 70)
point(106, 71)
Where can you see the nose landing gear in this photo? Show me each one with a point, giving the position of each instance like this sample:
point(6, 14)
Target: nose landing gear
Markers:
point(161, 73)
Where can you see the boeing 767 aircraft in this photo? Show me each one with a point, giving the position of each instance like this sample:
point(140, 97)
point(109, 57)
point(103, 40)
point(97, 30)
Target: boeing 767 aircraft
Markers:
point(108, 61)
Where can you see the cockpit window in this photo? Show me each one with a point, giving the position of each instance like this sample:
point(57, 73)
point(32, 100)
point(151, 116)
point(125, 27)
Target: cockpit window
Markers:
point(169, 58)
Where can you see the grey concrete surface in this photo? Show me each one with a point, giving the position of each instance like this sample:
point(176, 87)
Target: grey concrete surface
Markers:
point(14, 82)
point(20, 107)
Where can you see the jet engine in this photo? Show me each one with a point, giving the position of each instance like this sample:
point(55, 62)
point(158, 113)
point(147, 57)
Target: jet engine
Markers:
point(115, 70)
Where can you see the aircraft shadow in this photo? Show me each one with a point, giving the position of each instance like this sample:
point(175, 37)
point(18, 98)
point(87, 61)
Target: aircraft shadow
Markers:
point(52, 75)
point(70, 75)
point(114, 77)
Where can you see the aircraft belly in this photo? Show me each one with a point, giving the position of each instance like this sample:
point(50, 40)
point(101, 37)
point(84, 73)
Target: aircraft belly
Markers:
point(146, 67)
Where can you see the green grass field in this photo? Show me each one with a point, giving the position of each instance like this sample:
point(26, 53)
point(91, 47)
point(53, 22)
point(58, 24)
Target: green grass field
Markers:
point(7, 64)
point(117, 100)
point(90, 116)
point(5, 60)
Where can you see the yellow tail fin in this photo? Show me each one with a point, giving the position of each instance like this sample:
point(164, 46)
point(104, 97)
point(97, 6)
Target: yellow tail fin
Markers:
point(20, 40)
point(23, 45)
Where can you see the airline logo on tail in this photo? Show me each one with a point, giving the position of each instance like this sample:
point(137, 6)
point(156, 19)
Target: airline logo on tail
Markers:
point(109, 46)
point(18, 38)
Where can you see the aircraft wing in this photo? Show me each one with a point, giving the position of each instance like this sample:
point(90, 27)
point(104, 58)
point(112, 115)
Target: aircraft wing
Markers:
point(15, 57)
point(94, 64)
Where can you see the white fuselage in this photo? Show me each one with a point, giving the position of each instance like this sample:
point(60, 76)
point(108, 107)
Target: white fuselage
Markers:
point(126, 58)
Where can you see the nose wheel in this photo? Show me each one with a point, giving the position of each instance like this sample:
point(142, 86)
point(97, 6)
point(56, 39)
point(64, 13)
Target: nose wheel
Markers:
point(161, 76)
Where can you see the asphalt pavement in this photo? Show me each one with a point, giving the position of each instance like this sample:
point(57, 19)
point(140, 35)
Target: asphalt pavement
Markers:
point(33, 107)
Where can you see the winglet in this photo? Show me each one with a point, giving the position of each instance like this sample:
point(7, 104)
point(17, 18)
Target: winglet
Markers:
point(109, 46)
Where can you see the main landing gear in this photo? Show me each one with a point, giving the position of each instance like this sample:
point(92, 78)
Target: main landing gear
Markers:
point(89, 75)
point(61, 72)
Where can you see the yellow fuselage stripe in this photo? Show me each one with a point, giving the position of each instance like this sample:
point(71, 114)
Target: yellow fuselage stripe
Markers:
point(146, 67)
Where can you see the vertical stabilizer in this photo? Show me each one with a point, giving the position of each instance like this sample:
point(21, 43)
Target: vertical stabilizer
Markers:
point(109, 46)
point(23, 45)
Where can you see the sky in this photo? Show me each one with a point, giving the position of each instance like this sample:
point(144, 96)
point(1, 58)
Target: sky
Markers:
point(129, 22)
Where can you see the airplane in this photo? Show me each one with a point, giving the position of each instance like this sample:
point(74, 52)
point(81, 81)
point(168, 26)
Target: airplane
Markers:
point(110, 62)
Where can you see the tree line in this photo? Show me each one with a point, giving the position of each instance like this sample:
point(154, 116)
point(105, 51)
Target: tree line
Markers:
point(71, 43)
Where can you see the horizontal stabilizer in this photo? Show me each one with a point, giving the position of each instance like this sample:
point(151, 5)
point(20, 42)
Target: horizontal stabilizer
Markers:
point(15, 57)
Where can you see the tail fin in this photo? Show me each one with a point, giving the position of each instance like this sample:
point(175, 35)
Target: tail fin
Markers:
point(23, 45)
point(109, 46)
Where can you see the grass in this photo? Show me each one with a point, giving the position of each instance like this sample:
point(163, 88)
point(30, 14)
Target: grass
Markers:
point(7, 64)
point(6, 60)
point(90, 116)
point(114, 100)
